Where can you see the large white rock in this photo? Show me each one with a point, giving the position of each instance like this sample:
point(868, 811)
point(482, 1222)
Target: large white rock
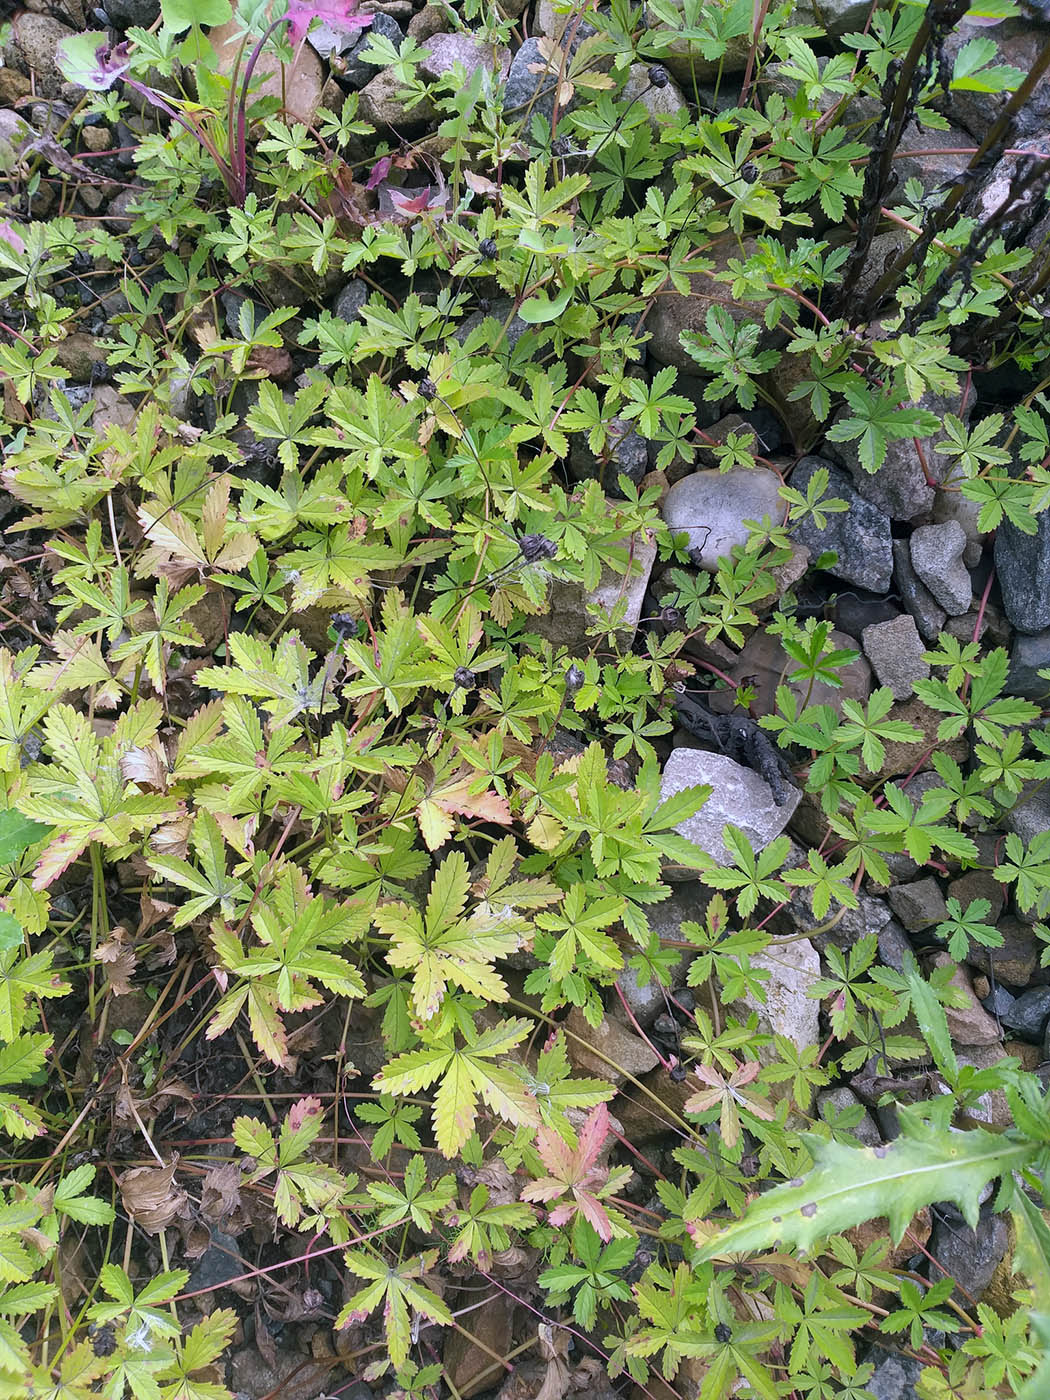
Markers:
point(711, 507)
point(738, 796)
point(788, 1010)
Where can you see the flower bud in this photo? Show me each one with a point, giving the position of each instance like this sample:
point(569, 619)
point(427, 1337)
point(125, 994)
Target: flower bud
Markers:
point(465, 678)
point(658, 76)
point(574, 679)
point(488, 248)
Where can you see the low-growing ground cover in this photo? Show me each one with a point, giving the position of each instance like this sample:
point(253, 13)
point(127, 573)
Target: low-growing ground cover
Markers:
point(524, 657)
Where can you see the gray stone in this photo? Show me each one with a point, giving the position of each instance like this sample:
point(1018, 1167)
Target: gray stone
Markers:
point(885, 249)
point(674, 312)
point(895, 1376)
point(739, 796)
point(757, 422)
point(932, 165)
point(992, 628)
point(505, 332)
point(380, 102)
point(220, 1262)
point(929, 616)
point(919, 905)
point(860, 536)
point(445, 50)
point(894, 945)
point(1030, 814)
point(554, 18)
point(1029, 1013)
point(762, 663)
point(125, 13)
point(895, 651)
point(15, 131)
point(609, 1051)
point(1016, 960)
point(1019, 42)
point(953, 505)
point(662, 104)
point(626, 454)
point(685, 60)
point(998, 1001)
point(979, 884)
point(833, 1102)
point(971, 1256)
point(870, 915)
point(991, 1109)
point(32, 48)
point(1029, 654)
point(527, 94)
point(648, 1002)
point(835, 17)
point(899, 488)
point(788, 1009)
point(566, 622)
point(995, 192)
point(937, 558)
point(711, 508)
point(358, 71)
point(1022, 565)
point(347, 305)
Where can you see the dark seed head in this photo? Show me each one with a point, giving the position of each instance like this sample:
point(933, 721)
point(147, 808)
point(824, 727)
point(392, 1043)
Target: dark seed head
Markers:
point(104, 1342)
point(678, 1073)
point(574, 679)
point(483, 303)
point(749, 172)
point(723, 1333)
point(488, 248)
point(658, 76)
point(427, 389)
point(344, 625)
point(536, 547)
point(465, 678)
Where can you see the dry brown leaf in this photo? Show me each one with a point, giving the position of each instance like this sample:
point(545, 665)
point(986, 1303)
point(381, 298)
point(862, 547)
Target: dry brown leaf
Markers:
point(151, 1197)
point(146, 766)
point(221, 1192)
point(119, 961)
point(554, 1349)
point(480, 184)
point(172, 839)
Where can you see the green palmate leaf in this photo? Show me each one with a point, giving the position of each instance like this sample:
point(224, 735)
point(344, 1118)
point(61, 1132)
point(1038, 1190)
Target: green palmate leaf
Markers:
point(180, 14)
point(399, 1291)
point(17, 834)
point(847, 1185)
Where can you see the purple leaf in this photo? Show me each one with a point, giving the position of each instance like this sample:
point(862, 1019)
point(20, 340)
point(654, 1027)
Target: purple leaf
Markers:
point(88, 61)
point(10, 237)
point(379, 172)
point(337, 14)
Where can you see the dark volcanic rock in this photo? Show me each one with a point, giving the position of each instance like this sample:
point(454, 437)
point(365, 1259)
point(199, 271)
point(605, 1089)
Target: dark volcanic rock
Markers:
point(860, 535)
point(1022, 563)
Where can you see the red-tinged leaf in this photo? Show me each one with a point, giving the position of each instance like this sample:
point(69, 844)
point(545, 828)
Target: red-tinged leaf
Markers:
point(593, 1212)
point(299, 1112)
point(57, 856)
point(574, 1174)
point(592, 1138)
